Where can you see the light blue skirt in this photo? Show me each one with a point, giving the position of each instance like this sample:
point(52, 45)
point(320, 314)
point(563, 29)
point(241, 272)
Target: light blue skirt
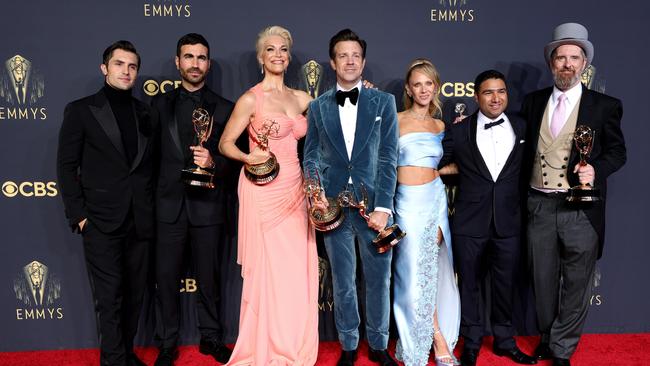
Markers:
point(424, 276)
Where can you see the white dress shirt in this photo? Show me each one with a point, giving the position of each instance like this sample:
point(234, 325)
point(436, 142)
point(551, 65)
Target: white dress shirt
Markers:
point(572, 99)
point(348, 117)
point(495, 143)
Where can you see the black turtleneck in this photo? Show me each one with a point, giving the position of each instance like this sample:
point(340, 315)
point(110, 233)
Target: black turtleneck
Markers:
point(121, 103)
point(186, 103)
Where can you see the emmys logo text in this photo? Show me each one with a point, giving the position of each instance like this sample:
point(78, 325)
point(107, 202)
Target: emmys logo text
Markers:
point(453, 11)
point(37, 289)
point(167, 8)
point(29, 189)
point(21, 86)
point(152, 87)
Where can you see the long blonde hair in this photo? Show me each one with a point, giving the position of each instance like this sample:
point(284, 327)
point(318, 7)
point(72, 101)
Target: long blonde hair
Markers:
point(426, 67)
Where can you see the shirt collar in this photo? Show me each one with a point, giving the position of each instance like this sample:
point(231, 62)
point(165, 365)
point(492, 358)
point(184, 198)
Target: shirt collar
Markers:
point(483, 119)
point(572, 95)
point(358, 85)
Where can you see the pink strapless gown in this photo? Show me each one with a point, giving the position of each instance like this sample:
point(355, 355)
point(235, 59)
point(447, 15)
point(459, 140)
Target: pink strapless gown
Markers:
point(278, 322)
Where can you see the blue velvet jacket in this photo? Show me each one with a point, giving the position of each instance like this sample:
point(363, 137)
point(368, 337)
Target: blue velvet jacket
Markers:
point(375, 150)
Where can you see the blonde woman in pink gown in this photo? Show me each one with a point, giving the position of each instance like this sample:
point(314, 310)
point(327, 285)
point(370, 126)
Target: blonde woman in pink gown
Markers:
point(276, 246)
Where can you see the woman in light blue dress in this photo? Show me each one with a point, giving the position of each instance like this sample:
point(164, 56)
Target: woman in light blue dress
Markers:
point(426, 301)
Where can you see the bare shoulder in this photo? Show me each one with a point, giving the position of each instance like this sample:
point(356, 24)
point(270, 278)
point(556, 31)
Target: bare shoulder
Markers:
point(438, 124)
point(302, 97)
point(247, 100)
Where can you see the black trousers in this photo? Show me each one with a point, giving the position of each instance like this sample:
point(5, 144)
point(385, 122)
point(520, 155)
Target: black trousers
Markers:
point(173, 240)
point(475, 257)
point(563, 248)
point(117, 266)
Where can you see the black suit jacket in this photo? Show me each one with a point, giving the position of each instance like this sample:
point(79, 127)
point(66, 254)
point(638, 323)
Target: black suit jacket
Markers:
point(602, 114)
point(204, 206)
point(94, 175)
point(480, 200)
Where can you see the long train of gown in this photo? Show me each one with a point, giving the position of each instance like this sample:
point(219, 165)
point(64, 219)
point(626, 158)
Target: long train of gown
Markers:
point(424, 279)
point(278, 322)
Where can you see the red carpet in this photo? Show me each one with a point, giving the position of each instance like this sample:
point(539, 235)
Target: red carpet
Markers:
point(594, 350)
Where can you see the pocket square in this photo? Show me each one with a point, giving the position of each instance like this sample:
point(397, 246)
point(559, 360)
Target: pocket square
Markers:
point(522, 141)
point(378, 119)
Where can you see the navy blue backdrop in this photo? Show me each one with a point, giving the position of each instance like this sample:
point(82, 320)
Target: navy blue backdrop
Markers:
point(59, 45)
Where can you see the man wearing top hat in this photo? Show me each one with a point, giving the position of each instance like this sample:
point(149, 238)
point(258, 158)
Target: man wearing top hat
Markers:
point(565, 239)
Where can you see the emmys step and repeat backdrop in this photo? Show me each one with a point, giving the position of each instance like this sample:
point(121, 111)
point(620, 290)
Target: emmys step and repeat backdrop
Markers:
point(51, 51)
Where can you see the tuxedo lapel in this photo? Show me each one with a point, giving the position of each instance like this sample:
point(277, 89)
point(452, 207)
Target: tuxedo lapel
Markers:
point(332, 123)
point(173, 122)
point(473, 146)
point(518, 129)
point(539, 106)
point(366, 114)
point(142, 121)
point(586, 118)
point(106, 119)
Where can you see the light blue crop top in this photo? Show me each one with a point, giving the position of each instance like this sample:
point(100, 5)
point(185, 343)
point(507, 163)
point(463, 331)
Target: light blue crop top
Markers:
point(422, 149)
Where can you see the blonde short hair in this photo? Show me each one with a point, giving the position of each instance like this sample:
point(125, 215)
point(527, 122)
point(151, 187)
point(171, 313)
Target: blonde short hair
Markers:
point(274, 30)
point(426, 67)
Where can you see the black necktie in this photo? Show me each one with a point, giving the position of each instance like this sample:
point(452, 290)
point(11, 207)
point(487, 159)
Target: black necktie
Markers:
point(353, 95)
point(495, 123)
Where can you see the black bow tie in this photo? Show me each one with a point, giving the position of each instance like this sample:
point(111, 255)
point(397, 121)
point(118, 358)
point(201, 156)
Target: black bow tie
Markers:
point(495, 123)
point(353, 95)
point(193, 96)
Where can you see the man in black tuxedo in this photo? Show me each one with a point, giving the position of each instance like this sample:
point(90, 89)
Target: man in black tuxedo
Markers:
point(105, 171)
point(189, 216)
point(487, 147)
point(566, 239)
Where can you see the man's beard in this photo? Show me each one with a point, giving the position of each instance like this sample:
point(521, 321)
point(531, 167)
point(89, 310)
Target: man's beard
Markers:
point(185, 75)
point(565, 82)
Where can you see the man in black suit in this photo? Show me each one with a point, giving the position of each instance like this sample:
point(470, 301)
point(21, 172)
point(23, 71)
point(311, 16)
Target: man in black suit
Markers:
point(105, 171)
point(487, 147)
point(565, 240)
point(189, 216)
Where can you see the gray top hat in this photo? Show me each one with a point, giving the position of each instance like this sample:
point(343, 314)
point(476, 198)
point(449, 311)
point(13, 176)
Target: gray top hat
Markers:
point(570, 33)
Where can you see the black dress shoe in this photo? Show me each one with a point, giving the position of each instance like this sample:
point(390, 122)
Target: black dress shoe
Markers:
point(215, 349)
point(381, 357)
point(469, 356)
point(561, 362)
point(347, 358)
point(167, 356)
point(516, 355)
point(543, 352)
point(133, 360)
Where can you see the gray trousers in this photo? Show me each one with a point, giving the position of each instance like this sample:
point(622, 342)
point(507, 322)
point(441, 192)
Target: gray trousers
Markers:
point(562, 248)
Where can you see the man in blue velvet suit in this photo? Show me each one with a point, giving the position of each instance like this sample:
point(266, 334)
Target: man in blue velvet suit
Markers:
point(352, 142)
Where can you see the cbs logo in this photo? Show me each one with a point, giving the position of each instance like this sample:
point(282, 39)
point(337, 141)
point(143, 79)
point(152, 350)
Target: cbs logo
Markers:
point(152, 87)
point(29, 189)
point(458, 89)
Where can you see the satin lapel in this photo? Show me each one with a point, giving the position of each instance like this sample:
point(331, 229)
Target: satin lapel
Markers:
point(585, 117)
point(366, 114)
point(173, 122)
point(476, 153)
point(140, 116)
point(517, 128)
point(332, 123)
point(106, 119)
point(539, 106)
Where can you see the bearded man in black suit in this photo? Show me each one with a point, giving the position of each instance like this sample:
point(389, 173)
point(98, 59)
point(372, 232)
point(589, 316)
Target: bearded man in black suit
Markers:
point(190, 216)
point(565, 239)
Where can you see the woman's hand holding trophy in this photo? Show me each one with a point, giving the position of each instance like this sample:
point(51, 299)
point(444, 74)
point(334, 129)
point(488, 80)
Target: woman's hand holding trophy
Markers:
point(262, 166)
